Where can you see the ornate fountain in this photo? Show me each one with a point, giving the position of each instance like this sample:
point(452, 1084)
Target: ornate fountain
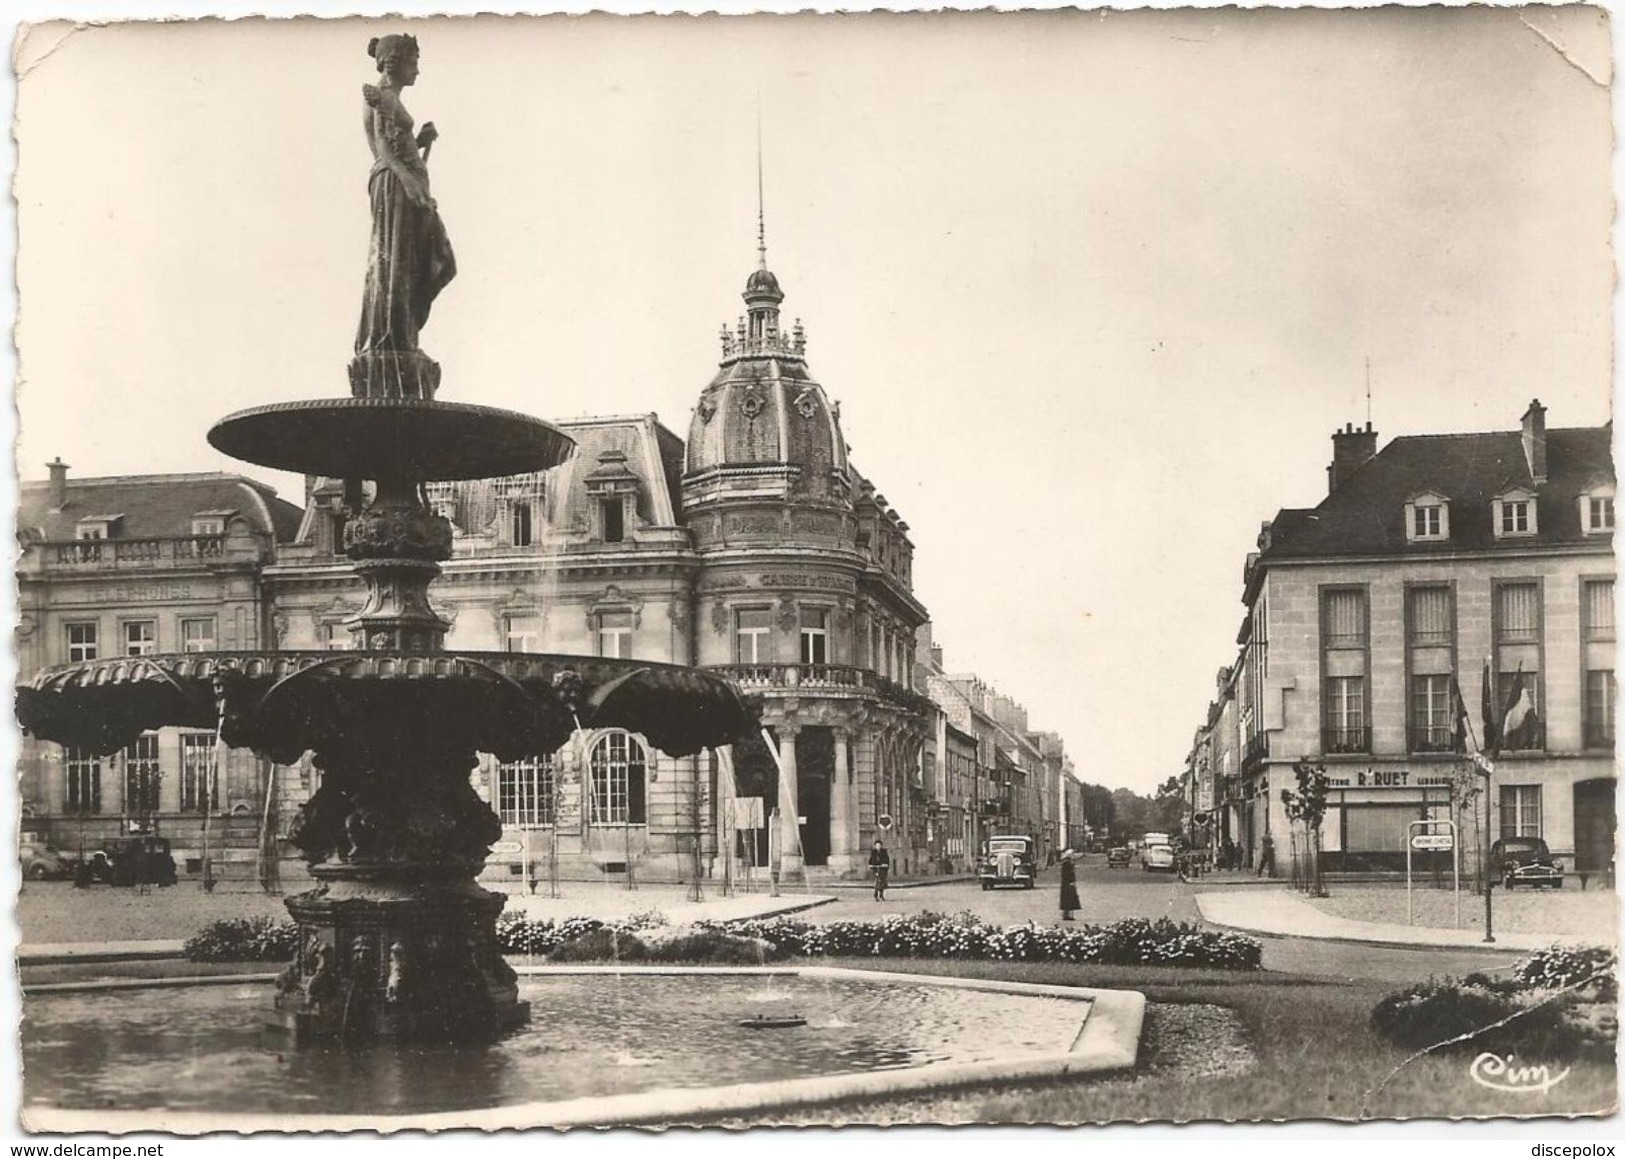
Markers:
point(397, 940)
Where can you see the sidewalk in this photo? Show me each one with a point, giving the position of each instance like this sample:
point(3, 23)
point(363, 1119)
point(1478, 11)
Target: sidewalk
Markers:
point(867, 884)
point(1281, 913)
point(606, 904)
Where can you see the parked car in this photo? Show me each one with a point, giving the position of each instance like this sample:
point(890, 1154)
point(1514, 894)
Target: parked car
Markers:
point(1008, 861)
point(142, 860)
point(43, 861)
point(1158, 858)
point(1525, 861)
point(1118, 855)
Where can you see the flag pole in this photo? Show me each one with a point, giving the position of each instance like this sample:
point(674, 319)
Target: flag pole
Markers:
point(1485, 767)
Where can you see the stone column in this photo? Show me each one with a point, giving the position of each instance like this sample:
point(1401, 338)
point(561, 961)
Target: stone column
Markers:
point(791, 862)
point(840, 809)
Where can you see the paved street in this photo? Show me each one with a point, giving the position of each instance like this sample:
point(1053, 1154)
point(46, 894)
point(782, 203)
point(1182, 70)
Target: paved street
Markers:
point(55, 912)
point(1111, 894)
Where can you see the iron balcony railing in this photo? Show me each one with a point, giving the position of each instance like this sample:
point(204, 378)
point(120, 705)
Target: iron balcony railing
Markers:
point(1257, 749)
point(133, 553)
point(837, 678)
point(1432, 739)
point(1351, 739)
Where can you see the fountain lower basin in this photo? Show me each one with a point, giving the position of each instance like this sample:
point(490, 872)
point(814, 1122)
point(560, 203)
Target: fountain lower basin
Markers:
point(608, 1046)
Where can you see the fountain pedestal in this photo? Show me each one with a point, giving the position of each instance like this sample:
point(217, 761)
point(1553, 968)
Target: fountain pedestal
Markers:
point(397, 953)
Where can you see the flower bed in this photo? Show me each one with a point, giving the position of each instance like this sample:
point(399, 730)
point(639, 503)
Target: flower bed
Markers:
point(1559, 1002)
point(258, 939)
point(1131, 942)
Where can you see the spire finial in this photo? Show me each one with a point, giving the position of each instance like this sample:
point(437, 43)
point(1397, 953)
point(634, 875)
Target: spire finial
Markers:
point(761, 216)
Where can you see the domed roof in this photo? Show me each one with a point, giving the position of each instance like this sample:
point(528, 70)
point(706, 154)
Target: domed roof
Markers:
point(768, 412)
point(762, 283)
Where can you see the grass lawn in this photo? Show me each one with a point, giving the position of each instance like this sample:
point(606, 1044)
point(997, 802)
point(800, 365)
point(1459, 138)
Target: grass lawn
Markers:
point(1316, 1059)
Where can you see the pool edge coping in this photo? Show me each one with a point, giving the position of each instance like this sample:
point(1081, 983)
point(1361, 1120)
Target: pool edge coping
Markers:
point(1109, 1041)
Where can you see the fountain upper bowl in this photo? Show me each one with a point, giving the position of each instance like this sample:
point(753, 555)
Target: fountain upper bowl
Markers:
point(391, 438)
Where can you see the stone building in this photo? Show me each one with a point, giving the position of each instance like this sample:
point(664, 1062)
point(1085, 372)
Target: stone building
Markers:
point(804, 595)
point(1440, 563)
point(755, 549)
point(127, 567)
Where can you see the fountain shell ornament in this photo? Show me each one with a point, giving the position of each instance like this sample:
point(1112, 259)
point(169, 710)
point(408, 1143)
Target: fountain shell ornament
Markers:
point(397, 941)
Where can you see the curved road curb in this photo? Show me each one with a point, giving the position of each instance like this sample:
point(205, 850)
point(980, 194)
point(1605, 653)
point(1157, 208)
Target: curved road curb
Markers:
point(1284, 915)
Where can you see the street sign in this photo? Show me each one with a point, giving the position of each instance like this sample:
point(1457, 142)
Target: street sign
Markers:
point(747, 813)
point(1432, 833)
point(1433, 841)
point(508, 847)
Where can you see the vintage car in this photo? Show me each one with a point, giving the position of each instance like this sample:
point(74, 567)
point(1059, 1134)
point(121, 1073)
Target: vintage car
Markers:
point(1525, 861)
point(1158, 858)
point(142, 860)
point(1118, 855)
point(1008, 861)
point(42, 861)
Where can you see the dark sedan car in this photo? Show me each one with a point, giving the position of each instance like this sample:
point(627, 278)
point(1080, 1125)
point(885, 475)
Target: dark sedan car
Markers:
point(1118, 855)
point(1525, 861)
point(1008, 860)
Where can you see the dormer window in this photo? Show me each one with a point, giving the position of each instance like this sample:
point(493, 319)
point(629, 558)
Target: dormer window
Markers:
point(97, 527)
point(1427, 518)
point(209, 525)
point(520, 530)
point(614, 513)
point(1514, 515)
point(1597, 509)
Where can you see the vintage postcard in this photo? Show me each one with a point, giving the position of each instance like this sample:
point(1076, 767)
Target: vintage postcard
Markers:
point(956, 567)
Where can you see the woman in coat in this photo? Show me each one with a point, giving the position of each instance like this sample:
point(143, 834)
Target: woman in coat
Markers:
point(1069, 886)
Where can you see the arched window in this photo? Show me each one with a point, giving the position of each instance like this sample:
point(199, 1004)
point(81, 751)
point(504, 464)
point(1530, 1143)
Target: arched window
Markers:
point(619, 772)
point(525, 791)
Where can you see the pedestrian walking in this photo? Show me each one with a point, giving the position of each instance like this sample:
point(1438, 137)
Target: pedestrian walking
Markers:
point(880, 866)
point(1069, 886)
point(1230, 861)
point(1266, 858)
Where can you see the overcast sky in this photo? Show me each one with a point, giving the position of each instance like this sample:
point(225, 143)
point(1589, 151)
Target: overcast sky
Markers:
point(1093, 289)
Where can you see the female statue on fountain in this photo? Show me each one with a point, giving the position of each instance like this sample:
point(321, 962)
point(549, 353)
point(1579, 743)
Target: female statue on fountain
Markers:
point(410, 259)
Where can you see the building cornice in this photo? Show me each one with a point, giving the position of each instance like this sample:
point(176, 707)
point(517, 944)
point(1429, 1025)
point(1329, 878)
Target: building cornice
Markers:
point(1603, 545)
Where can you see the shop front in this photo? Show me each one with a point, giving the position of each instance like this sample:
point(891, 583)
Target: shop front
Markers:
point(1370, 811)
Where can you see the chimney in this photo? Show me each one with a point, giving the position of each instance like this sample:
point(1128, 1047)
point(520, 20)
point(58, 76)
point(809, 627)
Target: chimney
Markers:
point(936, 657)
point(1351, 448)
point(1534, 440)
point(59, 483)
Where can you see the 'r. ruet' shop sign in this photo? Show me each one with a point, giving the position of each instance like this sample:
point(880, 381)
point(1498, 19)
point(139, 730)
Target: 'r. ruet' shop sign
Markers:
point(1389, 779)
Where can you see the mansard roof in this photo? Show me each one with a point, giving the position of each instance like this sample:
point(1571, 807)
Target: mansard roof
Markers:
point(636, 445)
point(1365, 515)
point(154, 506)
point(620, 447)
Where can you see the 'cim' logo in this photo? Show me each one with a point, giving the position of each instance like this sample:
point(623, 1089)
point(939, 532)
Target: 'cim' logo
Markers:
point(1499, 1074)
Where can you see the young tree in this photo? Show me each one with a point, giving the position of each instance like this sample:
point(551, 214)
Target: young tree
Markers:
point(1308, 806)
